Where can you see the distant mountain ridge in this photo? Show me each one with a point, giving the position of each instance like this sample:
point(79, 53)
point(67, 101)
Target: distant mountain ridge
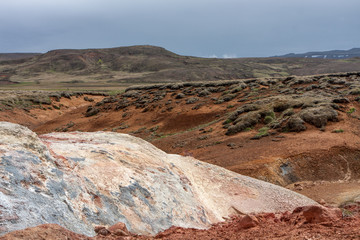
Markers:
point(150, 64)
point(16, 56)
point(332, 54)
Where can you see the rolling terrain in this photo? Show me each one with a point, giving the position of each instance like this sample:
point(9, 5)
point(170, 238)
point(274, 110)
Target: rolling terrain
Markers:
point(103, 69)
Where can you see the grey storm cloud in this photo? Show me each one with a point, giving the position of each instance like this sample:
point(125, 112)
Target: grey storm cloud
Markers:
point(223, 28)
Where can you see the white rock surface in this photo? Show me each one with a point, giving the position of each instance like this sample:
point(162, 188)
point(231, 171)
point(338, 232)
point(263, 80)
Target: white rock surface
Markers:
point(79, 180)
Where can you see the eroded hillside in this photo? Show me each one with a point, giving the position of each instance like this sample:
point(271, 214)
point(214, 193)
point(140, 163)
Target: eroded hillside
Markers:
point(300, 132)
point(297, 132)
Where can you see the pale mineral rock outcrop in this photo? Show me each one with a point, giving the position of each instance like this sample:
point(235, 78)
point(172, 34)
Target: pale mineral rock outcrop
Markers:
point(79, 180)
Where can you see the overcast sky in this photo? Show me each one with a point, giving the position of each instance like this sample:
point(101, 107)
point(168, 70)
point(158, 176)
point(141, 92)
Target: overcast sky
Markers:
point(222, 28)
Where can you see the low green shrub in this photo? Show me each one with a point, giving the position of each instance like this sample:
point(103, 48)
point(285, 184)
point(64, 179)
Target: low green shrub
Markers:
point(351, 110)
point(268, 119)
point(338, 131)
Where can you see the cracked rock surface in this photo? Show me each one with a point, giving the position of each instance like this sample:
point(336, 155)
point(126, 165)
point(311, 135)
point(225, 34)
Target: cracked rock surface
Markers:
point(79, 180)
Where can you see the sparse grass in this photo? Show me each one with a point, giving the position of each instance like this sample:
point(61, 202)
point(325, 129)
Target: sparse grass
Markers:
point(165, 135)
point(263, 132)
point(271, 114)
point(154, 129)
point(338, 131)
point(203, 125)
point(192, 129)
point(347, 213)
point(351, 110)
point(121, 127)
point(252, 94)
point(204, 137)
point(140, 130)
point(115, 92)
point(227, 121)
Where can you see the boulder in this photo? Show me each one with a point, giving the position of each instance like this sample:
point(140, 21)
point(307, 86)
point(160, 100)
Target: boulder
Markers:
point(81, 180)
point(104, 232)
point(119, 229)
point(318, 214)
point(248, 221)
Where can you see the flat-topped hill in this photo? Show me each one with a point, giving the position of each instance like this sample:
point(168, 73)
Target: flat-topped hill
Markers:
point(123, 66)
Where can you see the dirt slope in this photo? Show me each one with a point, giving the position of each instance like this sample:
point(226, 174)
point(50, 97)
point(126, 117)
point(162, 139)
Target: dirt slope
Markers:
point(288, 131)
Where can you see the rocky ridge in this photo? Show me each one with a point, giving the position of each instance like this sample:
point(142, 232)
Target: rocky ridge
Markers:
point(79, 180)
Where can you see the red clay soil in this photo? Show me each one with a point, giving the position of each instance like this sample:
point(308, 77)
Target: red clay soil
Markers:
point(199, 133)
point(270, 226)
point(180, 131)
point(303, 223)
point(37, 117)
point(207, 144)
point(179, 128)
